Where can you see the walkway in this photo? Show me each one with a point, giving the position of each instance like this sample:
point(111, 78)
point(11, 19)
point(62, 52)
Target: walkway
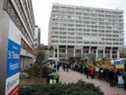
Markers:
point(73, 77)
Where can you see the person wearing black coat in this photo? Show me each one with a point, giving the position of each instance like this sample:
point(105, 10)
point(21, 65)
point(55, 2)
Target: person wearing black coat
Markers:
point(112, 78)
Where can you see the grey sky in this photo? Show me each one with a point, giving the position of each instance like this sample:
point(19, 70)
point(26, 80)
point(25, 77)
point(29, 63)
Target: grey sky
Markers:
point(42, 9)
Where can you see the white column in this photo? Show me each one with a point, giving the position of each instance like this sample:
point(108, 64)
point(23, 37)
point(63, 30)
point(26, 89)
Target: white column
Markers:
point(111, 53)
point(54, 53)
point(118, 54)
point(66, 52)
point(82, 52)
point(97, 53)
point(74, 52)
point(58, 52)
point(89, 50)
point(104, 53)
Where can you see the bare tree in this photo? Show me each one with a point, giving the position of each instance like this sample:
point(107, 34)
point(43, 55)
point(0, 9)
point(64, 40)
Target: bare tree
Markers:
point(91, 58)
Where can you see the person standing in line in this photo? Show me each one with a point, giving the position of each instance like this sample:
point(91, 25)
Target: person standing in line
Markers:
point(85, 70)
point(64, 66)
point(124, 77)
point(120, 80)
point(91, 72)
point(113, 78)
point(101, 73)
point(67, 67)
point(58, 66)
point(96, 71)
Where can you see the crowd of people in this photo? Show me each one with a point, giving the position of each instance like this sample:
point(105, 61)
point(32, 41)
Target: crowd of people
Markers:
point(115, 77)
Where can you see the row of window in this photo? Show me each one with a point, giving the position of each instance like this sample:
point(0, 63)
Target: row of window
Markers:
point(86, 9)
point(112, 39)
point(87, 28)
point(84, 34)
point(81, 38)
point(87, 42)
point(61, 29)
point(88, 24)
point(89, 12)
point(89, 20)
point(91, 24)
point(109, 35)
point(84, 17)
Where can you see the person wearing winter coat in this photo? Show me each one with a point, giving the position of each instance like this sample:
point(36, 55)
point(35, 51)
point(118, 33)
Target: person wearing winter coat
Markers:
point(124, 77)
point(120, 79)
point(85, 69)
point(92, 72)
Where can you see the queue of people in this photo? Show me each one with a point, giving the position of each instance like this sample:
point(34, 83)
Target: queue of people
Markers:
point(75, 67)
point(115, 77)
point(65, 67)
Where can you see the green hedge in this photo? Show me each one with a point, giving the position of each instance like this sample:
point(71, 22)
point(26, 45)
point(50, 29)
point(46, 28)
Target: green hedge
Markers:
point(80, 88)
point(38, 71)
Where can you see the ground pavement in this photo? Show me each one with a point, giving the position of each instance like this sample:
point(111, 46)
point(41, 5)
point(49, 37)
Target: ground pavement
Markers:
point(73, 77)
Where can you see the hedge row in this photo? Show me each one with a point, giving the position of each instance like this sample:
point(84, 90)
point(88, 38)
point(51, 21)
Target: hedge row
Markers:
point(80, 88)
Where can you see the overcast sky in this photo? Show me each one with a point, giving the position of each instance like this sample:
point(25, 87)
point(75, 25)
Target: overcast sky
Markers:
point(42, 9)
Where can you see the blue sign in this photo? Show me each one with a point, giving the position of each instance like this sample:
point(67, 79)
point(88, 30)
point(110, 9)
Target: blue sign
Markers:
point(118, 62)
point(13, 58)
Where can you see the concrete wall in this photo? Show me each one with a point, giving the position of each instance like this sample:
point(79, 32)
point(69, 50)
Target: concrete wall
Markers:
point(4, 28)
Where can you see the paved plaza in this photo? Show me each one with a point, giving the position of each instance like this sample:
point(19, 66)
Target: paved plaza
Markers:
point(73, 77)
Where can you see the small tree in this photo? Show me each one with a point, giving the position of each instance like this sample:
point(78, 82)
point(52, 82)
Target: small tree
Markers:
point(40, 69)
point(91, 58)
point(40, 57)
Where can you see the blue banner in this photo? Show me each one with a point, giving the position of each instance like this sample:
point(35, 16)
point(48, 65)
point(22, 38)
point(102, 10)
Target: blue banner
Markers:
point(13, 58)
point(118, 62)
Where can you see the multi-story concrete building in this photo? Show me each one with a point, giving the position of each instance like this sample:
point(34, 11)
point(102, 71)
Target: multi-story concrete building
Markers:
point(78, 31)
point(16, 40)
point(21, 13)
point(37, 35)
